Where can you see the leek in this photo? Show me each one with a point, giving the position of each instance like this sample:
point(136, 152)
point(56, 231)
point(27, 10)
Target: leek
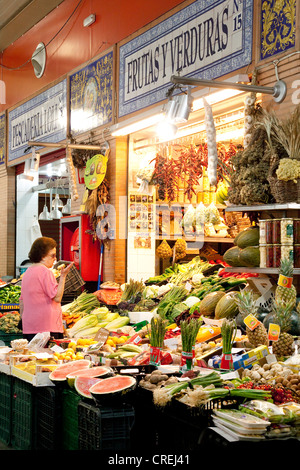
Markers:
point(83, 304)
point(163, 395)
point(201, 396)
point(251, 393)
point(208, 379)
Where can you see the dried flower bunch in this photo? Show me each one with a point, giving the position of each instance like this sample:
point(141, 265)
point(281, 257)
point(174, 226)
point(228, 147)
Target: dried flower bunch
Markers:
point(283, 132)
point(249, 180)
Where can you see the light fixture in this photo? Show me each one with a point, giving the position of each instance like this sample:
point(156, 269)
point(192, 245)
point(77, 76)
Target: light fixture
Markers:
point(67, 208)
point(38, 60)
point(176, 111)
point(57, 202)
point(55, 213)
point(278, 91)
point(133, 126)
point(45, 215)
point(178, 108)
point(89, 20)
point(166, 130)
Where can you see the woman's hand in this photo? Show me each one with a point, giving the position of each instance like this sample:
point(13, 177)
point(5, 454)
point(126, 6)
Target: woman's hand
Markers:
point(64, 271)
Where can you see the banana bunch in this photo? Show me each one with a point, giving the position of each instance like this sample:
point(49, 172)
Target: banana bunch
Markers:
point(222, 193)
point(126, 351)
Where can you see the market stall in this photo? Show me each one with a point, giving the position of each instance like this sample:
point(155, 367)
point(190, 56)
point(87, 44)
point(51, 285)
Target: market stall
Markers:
point(208, 341)
point(181, 344)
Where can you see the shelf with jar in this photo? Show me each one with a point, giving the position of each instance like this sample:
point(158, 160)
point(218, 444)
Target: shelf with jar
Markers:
point(279, 237)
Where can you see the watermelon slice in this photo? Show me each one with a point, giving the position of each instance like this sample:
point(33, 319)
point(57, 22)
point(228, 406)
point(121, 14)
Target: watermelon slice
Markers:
point(109, 388)
point(83, 384)
point(97, 371)
point(61, 372)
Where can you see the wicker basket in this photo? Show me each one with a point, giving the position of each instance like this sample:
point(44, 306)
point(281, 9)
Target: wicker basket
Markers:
point(73, 280)
point(282, 191)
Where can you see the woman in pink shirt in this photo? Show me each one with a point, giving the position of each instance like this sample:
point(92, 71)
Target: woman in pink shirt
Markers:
point(41, 294)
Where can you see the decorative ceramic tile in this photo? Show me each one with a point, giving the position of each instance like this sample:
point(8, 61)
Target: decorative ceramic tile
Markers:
point(91, 91)
point(206, 39)
point(278, 26)
point(2, 137)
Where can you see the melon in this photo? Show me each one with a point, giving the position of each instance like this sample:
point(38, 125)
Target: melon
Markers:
point(112, 387)
point(97, 371)
point(61, 372)
point(247, 237)
point(209, 302)
point(227, 306)
point(83, 384)
point(232, 257)
point(250, 256)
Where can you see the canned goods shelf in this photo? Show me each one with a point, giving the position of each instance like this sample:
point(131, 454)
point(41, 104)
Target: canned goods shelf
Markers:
point(258, 270)
point(264, 207)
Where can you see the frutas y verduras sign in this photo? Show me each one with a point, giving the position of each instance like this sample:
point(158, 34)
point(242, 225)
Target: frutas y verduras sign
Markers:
point(207, 39)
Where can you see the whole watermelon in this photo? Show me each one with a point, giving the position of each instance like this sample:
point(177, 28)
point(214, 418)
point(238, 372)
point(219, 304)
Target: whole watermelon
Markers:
point(227, 306)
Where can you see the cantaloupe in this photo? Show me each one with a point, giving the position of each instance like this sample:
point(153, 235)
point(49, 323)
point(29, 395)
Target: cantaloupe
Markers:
point(227, 306)
point(208, 303)
point(231, 257)
point(250, 257)
point(247, 237)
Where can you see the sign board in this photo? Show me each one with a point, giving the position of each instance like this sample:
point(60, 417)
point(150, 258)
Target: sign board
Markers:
point(42, 118)
point(206, 39)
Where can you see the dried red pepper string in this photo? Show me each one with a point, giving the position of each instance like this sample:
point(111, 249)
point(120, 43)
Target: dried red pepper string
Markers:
point(188, 166)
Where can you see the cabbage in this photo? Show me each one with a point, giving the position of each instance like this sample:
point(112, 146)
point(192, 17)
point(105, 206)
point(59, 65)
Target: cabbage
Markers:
point(191, 301)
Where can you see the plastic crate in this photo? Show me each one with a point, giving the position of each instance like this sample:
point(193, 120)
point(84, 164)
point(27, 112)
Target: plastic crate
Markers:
point(70, 401)
point(6, 338)
point(48, 418)
point(73, 280)
point(102, 428)
point(5, 408)
point(194, 420)
point(22, 415)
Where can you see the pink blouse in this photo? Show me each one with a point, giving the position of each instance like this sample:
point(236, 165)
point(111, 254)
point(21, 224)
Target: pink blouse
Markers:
point(40, 312)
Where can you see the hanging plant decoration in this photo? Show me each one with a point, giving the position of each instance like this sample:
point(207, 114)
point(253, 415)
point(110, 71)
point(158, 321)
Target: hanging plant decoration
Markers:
point(72, 176)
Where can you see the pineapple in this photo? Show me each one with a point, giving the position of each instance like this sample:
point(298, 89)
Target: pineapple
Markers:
point(247, 304)
point(286, 294)
point(281, 316)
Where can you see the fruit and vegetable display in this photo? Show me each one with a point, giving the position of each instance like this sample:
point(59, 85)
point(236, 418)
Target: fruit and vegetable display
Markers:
point(9, 322)
point(10, 294)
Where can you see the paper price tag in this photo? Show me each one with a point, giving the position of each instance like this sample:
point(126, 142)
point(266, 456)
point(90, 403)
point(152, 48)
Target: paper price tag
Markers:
point(171, 343)
point(251, 322)
point(273, 332)
point(285, 281)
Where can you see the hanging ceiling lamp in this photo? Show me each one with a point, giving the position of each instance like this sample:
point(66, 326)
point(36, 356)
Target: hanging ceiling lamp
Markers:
point(57, 202)
point(45, 215)
point(67, 208)
point(55, 213)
